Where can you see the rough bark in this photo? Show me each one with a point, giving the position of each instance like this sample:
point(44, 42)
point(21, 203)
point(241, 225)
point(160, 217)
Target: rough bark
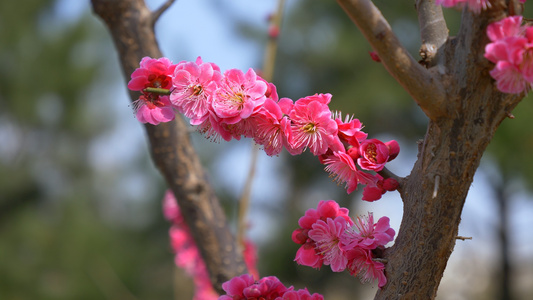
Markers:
point(435, 191)
point(459, 130)
point(131, 25)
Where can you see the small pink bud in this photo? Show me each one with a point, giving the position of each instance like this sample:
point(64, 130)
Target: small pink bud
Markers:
point(273, 31)
point(394, 149)
point(372, 193)
point(390, 184)
point(354, 153)
point(374, 56)
point(299, 236)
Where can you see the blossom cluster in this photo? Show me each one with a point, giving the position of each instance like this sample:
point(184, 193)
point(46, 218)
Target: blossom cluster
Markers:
point(511, 50)
point(328, 236)
point(473, 5)
point(188, 255)
point(237, 104)
point(267, 288)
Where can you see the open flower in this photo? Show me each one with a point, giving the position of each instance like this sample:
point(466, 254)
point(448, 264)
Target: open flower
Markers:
point(239, 95)
point(327, 235)
point(367, 234)
point(312, 126)
point(194, 83)
point(361, 264)
point(153, 109)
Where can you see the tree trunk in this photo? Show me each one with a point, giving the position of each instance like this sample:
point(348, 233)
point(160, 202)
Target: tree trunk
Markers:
point(435, 191)
point(131, 25)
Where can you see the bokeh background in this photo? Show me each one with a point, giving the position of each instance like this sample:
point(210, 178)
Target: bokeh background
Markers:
point(80, 200)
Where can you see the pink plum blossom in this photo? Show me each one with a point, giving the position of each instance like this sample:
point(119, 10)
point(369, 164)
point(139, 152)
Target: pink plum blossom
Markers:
point(194, 83)
point(342, 167)
point(302, 294)
point(153, 73)
point(327, 238)
point(374, 155)
point(508, 27)
point(245, 287)
point(312, 126)
point(372, 193)
point(272, 128)
point(508, 78)
point(350, 130)
point(307, 255)
point(153, 109)
point(361, 264)
point(473, 5)
point(156, 73)
point(367, 234)
point(238, 95)
point(511, 51)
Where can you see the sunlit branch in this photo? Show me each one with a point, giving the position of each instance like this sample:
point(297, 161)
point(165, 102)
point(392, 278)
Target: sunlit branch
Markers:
point(433, 29)
point(267, 74)
point(421, 84)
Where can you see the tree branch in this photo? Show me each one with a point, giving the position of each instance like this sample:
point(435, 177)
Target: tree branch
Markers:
point(422, 85)
point(433, 29)
point(130, 25)
point(157, 13)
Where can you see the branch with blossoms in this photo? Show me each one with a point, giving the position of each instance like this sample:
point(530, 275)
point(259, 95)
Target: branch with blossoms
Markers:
point(234, 104)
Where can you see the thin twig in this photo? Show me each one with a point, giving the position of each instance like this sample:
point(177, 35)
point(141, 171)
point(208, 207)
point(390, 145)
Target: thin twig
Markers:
point(462, 238)
point(420, 83)
point(244, 202)
point(157, 13)
point(267, 74)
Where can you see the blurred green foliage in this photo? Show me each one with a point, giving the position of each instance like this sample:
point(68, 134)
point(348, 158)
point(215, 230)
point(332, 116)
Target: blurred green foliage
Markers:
point(66, 231)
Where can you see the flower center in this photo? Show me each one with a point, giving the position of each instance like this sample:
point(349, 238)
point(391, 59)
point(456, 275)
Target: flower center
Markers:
point(371, 153)
point(161, 81)
point(309, 128)
point(197, 90)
